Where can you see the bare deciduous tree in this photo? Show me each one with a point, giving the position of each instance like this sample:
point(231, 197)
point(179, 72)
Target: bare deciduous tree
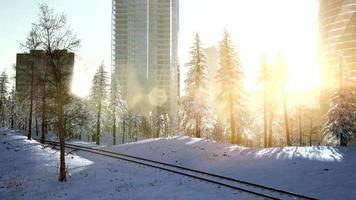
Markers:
point(56, 39)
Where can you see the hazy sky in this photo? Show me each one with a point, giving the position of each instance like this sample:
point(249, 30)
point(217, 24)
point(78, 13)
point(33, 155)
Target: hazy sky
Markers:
point(256, 26)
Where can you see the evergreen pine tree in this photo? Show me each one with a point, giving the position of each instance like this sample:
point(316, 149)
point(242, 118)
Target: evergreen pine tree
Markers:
point(195, 102)
point(98, 95)
point(117, 105)
point(230, 78)
point(341, 117)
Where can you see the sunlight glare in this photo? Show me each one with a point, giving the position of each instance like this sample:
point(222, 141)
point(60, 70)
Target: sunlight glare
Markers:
point(279, 26)
point(80, 82)
point(258, 26)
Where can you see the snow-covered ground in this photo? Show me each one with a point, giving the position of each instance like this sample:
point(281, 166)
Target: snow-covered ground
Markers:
point(321, 172)
point(30, 171)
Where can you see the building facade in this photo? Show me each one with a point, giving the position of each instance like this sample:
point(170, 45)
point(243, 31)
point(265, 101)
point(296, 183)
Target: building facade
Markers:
point(40, 63)
point(337, 28)
point(144, 52)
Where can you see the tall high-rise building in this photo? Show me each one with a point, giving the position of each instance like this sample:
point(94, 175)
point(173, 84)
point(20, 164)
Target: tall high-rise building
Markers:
point(144, 52)
point(337, 26)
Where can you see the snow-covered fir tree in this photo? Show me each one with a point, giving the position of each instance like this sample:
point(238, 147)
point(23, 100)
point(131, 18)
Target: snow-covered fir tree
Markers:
point(117, 105)
point(230, 78)
point(98, 96)
point(341, 118)
point(195, 102)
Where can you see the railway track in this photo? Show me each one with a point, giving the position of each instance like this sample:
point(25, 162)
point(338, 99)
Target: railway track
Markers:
point(257, 190)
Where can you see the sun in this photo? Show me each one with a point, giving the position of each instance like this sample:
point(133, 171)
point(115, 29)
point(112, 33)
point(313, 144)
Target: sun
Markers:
point(278, 26)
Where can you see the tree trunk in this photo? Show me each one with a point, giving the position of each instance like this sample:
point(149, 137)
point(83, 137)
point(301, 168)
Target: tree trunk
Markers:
point(270, 127)
point(166, 128)
point(65, 127)
point(265, 117)
point(129, 129)
point(44, 120)
point(158, 125)
point(286, 118)
point(300, 127)
point(62, 168)
point(44, 107)
point(114, 130)
point(24, 122)
point(198, 127)
point(123, 131)
point(238, 131)
point(36, 122)
point(3, 113)
point(29, 134)
point(265, 105)
point(136, 131)
point(343, 140)
point(310, 133)
point(12, 120)
point(232, 122)
point(98, 125)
